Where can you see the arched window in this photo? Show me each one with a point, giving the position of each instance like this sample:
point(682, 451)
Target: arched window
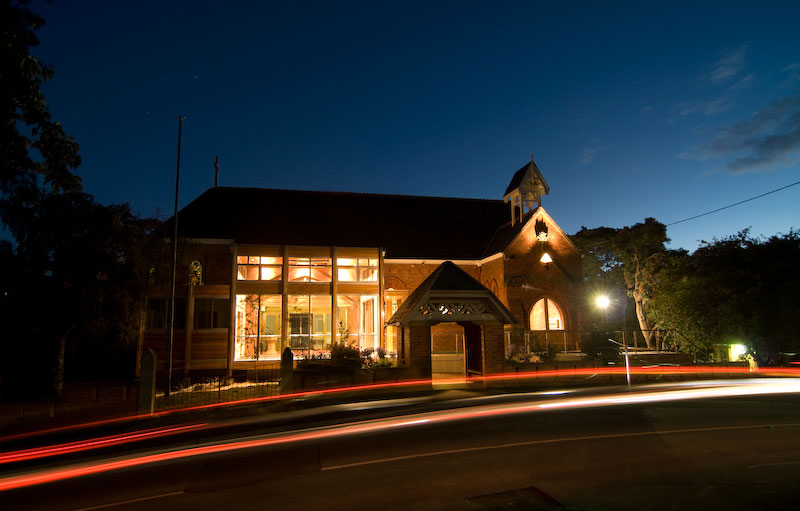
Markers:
point(546, 315)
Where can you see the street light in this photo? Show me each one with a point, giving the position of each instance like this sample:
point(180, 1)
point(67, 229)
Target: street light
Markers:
point(604, 302)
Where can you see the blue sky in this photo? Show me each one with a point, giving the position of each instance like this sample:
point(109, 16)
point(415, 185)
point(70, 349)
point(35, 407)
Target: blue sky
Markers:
point(631, 109)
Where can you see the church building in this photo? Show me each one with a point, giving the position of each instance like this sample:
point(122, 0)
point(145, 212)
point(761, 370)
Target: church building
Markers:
point(442, 285)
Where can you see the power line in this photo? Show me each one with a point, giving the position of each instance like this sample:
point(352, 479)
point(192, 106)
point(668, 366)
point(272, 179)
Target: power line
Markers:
point(735, 204)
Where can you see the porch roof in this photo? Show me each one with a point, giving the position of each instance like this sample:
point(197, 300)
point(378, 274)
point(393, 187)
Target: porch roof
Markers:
point(450, 294)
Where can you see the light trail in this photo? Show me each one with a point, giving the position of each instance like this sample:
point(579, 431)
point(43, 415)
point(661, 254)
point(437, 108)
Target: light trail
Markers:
point(94, 443)
point(508, 377)
point(781, 386)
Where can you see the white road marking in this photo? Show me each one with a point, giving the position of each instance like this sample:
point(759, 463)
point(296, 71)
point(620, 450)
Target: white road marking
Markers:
point(775, 464)
point(130, 501)
point(558, 440)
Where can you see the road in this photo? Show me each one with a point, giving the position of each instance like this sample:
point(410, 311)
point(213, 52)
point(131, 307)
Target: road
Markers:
point(713, 453)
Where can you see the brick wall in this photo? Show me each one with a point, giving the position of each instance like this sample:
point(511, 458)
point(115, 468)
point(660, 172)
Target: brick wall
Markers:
point(419, 355)
point(527, 279)
point(493, 349)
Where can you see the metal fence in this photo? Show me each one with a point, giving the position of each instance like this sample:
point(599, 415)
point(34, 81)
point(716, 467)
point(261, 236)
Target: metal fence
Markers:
point(219, 389)
point(530, 344)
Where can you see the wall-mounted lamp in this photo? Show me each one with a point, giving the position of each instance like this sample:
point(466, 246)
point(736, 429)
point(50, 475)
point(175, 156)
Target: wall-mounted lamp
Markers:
point(546, 259)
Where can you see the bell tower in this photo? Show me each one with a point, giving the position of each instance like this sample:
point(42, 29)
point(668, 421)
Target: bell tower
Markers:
point(525, 190)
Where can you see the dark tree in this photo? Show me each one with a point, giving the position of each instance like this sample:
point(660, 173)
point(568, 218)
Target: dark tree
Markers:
point(74, 277)
point(617, 261)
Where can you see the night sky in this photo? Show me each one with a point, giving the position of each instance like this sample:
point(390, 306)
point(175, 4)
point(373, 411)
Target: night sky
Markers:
point(630, 110)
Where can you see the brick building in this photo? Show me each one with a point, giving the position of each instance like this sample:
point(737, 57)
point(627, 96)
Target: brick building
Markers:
point(262, 269)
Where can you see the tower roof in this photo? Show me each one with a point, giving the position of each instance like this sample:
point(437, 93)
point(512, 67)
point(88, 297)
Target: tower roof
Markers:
point(529, 170)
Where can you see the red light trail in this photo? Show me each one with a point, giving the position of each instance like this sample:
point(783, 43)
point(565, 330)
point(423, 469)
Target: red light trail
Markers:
point(93, 443)
point(553, 373)
point(743, 388)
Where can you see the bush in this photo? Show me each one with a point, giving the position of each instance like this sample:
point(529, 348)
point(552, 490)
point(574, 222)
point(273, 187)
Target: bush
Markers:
point(597, 347)
point(343, 354)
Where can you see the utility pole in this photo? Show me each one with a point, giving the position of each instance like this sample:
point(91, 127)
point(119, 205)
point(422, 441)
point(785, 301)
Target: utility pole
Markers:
point(216, 170)
point(174, 263)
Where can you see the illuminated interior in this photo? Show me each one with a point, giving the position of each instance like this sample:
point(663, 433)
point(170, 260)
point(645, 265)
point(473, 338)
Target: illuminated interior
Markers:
point(258, 324)
point(309, 323)
point(309, 269)
point(357, 270)
point(259, 268)
point(358, 320)
point(546, 315)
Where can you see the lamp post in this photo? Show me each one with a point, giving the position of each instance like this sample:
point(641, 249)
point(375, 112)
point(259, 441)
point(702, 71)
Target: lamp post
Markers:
point(627, 362)
point(603, 302)
point(174, 264)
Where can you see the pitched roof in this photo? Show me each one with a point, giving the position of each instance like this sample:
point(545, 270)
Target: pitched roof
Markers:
point(450, 281)
point(520, 175)
point(406, 226)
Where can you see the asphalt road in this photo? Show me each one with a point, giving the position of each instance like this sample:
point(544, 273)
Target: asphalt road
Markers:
point(728, 453)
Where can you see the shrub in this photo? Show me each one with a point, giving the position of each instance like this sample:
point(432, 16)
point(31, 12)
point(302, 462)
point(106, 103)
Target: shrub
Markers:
point(597, 347)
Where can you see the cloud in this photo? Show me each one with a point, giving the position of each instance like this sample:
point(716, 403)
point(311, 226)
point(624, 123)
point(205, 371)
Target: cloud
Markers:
point(589, 152)
point(588, 155)
point(769, 138)
point(707, 108)
point(729, 65)
point(793, 74)
point(744, 82)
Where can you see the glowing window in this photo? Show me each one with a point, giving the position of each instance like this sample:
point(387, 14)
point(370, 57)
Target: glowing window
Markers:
point(259, 268)
point(358, 320)
point(258, 327)
point(310, 322)
point(357, 270)
point(546, 315)
point(309, 269)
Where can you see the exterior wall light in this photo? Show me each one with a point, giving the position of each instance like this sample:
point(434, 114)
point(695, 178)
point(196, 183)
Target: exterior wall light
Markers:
point(546, 259)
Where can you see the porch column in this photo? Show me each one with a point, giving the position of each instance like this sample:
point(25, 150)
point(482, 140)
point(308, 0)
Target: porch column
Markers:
point(418, 337)
point(493, 349)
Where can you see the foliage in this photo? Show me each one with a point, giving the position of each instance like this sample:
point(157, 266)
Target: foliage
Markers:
point(38, 156)
point(618, 261)
point(74, 278)
point(596, 346)
point(345, 354)
point(737, 289)
point(376, 358)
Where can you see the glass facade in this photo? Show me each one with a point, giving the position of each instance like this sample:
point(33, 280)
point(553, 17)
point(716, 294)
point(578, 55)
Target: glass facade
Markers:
point(357, 270)
point(358, 316)
point(309, 269)
point(309, 323)
point(258, 327)
point(259, 268)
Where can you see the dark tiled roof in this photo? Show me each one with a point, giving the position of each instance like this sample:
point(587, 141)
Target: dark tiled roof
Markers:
point(406, 226)
point(505, 234)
